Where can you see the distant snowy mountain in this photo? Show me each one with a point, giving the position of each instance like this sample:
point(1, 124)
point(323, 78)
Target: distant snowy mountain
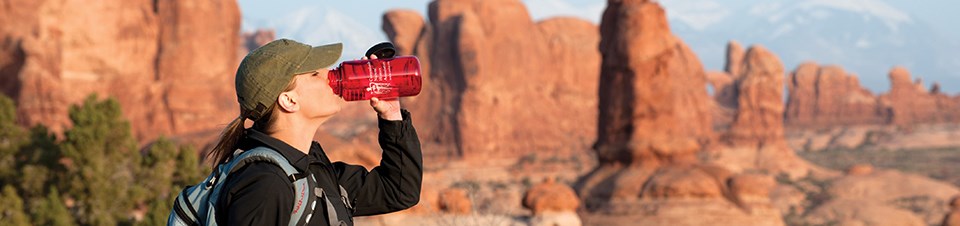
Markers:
point(322, 25)
point(866, 37)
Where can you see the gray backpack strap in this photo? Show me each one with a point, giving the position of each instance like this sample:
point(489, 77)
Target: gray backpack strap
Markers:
point(183, 212)
point(332, 217)
point(303, 193)
point(262, 154)
point(345, 198)
point(303, 204)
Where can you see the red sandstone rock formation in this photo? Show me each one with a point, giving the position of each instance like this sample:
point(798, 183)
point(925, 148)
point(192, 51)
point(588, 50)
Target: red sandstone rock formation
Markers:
point(683, 182)
point(169, 63)
point(735, 55)
point(861, 212)
point(550, 197)
point(724, 90)
point(404, 27)
point(828, 96)
point(724, 106)
point(196, 62)
point(752, 189)
point(654, 119)
point(860, 169)
point(653, 107)
point(725, 85)
point(885, 196)
point(755, 137)
point(455, 200)
point(953, 217)
point(908, 103)
point(493, 78)
point(251, 40)
point(759, 118)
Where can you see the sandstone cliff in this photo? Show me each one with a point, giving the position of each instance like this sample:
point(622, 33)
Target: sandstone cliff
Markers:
point(827, 96)
point(497, 84)
point(169, 63)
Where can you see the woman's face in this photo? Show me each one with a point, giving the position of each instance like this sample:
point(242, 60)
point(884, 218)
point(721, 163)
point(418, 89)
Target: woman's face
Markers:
point(317, 99)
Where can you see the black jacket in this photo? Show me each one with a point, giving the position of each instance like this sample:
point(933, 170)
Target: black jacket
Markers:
point(261, 194)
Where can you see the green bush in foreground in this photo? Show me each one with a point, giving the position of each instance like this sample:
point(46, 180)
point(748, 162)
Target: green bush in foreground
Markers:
point(94, 175)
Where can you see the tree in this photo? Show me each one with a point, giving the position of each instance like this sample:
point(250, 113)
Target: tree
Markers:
point(189, 171)
point(11, 138)
point(101, 163)
point(11, 208)
point(160, 209)
point(38, 163)
point(157, 171)
point(162, 182)
point(96, 168)
point(51, 211)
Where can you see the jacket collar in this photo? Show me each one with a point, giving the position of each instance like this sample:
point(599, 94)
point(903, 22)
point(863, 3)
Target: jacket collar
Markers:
point(296, 158)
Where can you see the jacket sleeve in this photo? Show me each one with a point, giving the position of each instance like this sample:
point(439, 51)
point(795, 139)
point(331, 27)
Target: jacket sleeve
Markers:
point(256, 196)
point(393, 185)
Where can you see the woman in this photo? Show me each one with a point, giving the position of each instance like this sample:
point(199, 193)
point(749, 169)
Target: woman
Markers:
point(282, 87)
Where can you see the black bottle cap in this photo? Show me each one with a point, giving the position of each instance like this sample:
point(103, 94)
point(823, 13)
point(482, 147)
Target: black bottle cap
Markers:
point(383, 50)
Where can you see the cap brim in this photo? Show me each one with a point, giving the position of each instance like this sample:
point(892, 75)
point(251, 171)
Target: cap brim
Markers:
point(321, 57)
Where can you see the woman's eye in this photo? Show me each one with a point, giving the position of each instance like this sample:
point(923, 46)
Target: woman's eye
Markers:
point(316, 73)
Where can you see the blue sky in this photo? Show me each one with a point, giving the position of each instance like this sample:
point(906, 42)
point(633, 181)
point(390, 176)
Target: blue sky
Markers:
point(706, 25)
point(941, 13)
point(368, 12)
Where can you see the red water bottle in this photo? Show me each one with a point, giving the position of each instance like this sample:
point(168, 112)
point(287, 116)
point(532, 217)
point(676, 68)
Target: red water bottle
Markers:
point(381, 78)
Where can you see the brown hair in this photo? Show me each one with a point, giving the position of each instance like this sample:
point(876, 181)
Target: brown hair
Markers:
point(231, 135)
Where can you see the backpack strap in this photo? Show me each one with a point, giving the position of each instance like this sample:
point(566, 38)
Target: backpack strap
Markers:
point(179, 214)
point(263, 154)
point(303, 204)
point(332, 217)
point(345, 198)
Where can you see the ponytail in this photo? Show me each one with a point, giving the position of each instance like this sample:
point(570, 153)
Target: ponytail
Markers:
point(228, 141)
point(230, 137)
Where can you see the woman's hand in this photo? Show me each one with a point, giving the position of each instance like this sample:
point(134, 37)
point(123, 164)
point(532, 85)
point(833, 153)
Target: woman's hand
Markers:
point(386, 109)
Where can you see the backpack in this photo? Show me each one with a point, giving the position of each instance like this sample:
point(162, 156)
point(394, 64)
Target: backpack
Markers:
point(195, 205)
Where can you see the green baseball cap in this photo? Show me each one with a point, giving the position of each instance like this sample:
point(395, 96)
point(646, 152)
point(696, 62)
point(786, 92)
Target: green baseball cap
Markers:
point(266, 71)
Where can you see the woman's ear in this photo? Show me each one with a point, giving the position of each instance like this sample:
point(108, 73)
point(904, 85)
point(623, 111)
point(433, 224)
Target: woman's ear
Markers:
point(288, 102)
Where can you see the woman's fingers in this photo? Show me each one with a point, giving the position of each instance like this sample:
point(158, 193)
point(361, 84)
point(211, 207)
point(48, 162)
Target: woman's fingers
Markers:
point(374, 102)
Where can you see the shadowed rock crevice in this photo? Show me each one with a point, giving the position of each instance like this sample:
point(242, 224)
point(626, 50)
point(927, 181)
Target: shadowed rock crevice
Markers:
point(11, 62)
